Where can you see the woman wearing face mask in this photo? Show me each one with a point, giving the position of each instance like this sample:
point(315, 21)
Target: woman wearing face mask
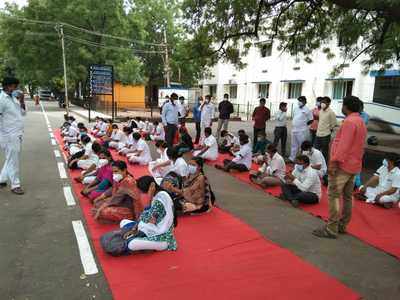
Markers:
point(303, 184)
point(124, 202)
point(195, 195)
point(160, 167)
point(155, 228)
point(102, 181)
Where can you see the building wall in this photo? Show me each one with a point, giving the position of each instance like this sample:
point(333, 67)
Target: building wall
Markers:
point(127, 96)
point(281, 67)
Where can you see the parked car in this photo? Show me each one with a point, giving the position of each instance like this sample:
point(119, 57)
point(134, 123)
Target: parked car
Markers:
point(45, 95)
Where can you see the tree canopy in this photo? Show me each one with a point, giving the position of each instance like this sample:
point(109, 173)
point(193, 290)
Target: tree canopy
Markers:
point(369, 27)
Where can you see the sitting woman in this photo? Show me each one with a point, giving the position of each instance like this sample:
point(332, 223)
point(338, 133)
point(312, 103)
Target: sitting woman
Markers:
point(196, 195)
point(185, 141)
point(102, 181)
point(160, 167)
point(124, 203)
point(155, 230)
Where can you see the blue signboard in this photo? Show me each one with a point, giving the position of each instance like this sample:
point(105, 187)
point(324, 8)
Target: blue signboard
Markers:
point(101, 79)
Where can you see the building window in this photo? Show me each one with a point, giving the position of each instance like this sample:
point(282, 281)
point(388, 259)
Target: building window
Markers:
point(213, 90)
point(263, 90)
point(294, 90)
point(387, 90)
point(233, 91)
point(266, 49)
point(342, 88)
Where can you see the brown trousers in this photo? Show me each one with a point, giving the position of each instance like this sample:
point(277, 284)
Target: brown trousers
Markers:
point(340, 184)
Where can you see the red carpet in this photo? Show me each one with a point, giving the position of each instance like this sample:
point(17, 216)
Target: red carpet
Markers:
point(372, 224)
point(218, 257)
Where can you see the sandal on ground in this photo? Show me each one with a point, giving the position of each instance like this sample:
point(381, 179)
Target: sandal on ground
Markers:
point(18, 191)
point(324, 233)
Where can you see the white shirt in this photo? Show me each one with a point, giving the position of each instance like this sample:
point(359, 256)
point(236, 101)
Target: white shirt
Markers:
point(141, 125)
point(207, 114)
point(11, 117)
point(141, 145)
point(231, 140)
point(276, 167)
point(180, 167)
point(301, 116)
point(73, 131)
point(317, 158)
point(182, 108)
point(388, 179)
point(244, 156)
point(308, 181)
point(117, 135)
point(280, 118)
point(159, 131)
point(211, 142)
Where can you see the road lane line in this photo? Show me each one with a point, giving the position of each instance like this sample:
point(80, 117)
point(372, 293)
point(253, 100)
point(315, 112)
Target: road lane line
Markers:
point(61, 170)
point(57, 153)
point(85, 252)
point(69, 197)
point(53, 142)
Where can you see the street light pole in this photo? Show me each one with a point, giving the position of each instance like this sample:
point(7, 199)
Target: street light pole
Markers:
point(167, 75)
point(61, 32)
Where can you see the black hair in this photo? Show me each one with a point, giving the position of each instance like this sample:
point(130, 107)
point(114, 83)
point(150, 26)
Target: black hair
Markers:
point(120, 165)
point(173, 153)
point(302, 99)
point(306, 145)
point(361, 106)
point(155, 123)
point(200, 162)
point(138, 119)
point(208, 130)
point(81, 125)
point(241, 131)
point(263, 100)
point(393, 157)
point(319, 99)
point(181, 98)
point(96, 147)
point(136, 136)
point(107, 153)
point(7, 81)
point(85, 139)
point(272, 148)
point(244, 138)
point(224, 133)
point(303, 158)
point(127, 129)
point(71, 118)
point(282, 105)
point(174, 96)
point(226, 96)
point(208, 97)
point(326, 99)
point(352, 103)
point(161, 144)
point(114, 126)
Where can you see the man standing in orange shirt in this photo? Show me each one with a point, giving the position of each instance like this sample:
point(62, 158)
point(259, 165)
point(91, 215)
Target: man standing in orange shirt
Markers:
point(346, 155)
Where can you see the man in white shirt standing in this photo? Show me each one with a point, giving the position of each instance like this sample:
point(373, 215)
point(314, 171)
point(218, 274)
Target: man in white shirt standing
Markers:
point(207, 114)
point(303, 185)
point(302, 117)
point(12, 111)
point(243, 158)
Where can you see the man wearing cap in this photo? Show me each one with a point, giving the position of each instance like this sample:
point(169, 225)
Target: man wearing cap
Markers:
point(12, 110)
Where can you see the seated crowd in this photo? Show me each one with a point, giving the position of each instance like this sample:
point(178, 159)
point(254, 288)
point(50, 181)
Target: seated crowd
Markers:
point(177, 184)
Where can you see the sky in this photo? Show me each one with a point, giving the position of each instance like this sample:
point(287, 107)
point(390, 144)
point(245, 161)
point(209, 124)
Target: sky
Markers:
point(19, 2)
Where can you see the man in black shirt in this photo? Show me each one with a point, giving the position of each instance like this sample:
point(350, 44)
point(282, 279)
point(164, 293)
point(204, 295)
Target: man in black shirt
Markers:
point(225, 108)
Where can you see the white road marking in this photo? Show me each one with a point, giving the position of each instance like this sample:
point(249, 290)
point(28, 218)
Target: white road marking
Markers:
point(85, 252)
point(61, 170)
point(57, 153)
point(69, 197)
point(53, 142)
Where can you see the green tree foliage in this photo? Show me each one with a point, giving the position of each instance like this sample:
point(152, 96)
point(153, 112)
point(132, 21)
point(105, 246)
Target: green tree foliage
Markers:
point(369, 27)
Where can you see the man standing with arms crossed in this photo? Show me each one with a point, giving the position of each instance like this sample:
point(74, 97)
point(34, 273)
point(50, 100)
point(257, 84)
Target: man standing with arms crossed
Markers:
point(12, 111)
point(346, 155)
point(225, 108)
point(169, 117)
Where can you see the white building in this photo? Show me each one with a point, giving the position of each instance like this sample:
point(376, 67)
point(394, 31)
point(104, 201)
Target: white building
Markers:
point(282, 77)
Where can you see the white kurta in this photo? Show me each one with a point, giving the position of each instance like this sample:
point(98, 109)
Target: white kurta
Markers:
point(11, 133)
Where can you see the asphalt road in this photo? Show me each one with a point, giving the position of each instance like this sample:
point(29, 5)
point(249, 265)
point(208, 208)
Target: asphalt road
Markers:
point(39, 256)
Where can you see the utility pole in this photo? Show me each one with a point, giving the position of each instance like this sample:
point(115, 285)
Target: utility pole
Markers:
point(61, 33)
point(167, 74)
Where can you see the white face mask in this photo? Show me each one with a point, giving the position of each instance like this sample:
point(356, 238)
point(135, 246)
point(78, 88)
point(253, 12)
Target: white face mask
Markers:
point(192, 169)
point(324, 106)
point(307, 153)
point(117, 177)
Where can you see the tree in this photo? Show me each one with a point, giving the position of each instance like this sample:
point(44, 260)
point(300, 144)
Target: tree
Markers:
point(366, 28)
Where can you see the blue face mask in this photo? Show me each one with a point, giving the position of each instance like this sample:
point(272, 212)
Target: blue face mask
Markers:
point(299, 168)
point(385, 163)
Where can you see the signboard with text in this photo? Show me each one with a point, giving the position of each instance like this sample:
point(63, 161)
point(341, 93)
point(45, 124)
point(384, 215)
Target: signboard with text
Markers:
point(101, 79)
